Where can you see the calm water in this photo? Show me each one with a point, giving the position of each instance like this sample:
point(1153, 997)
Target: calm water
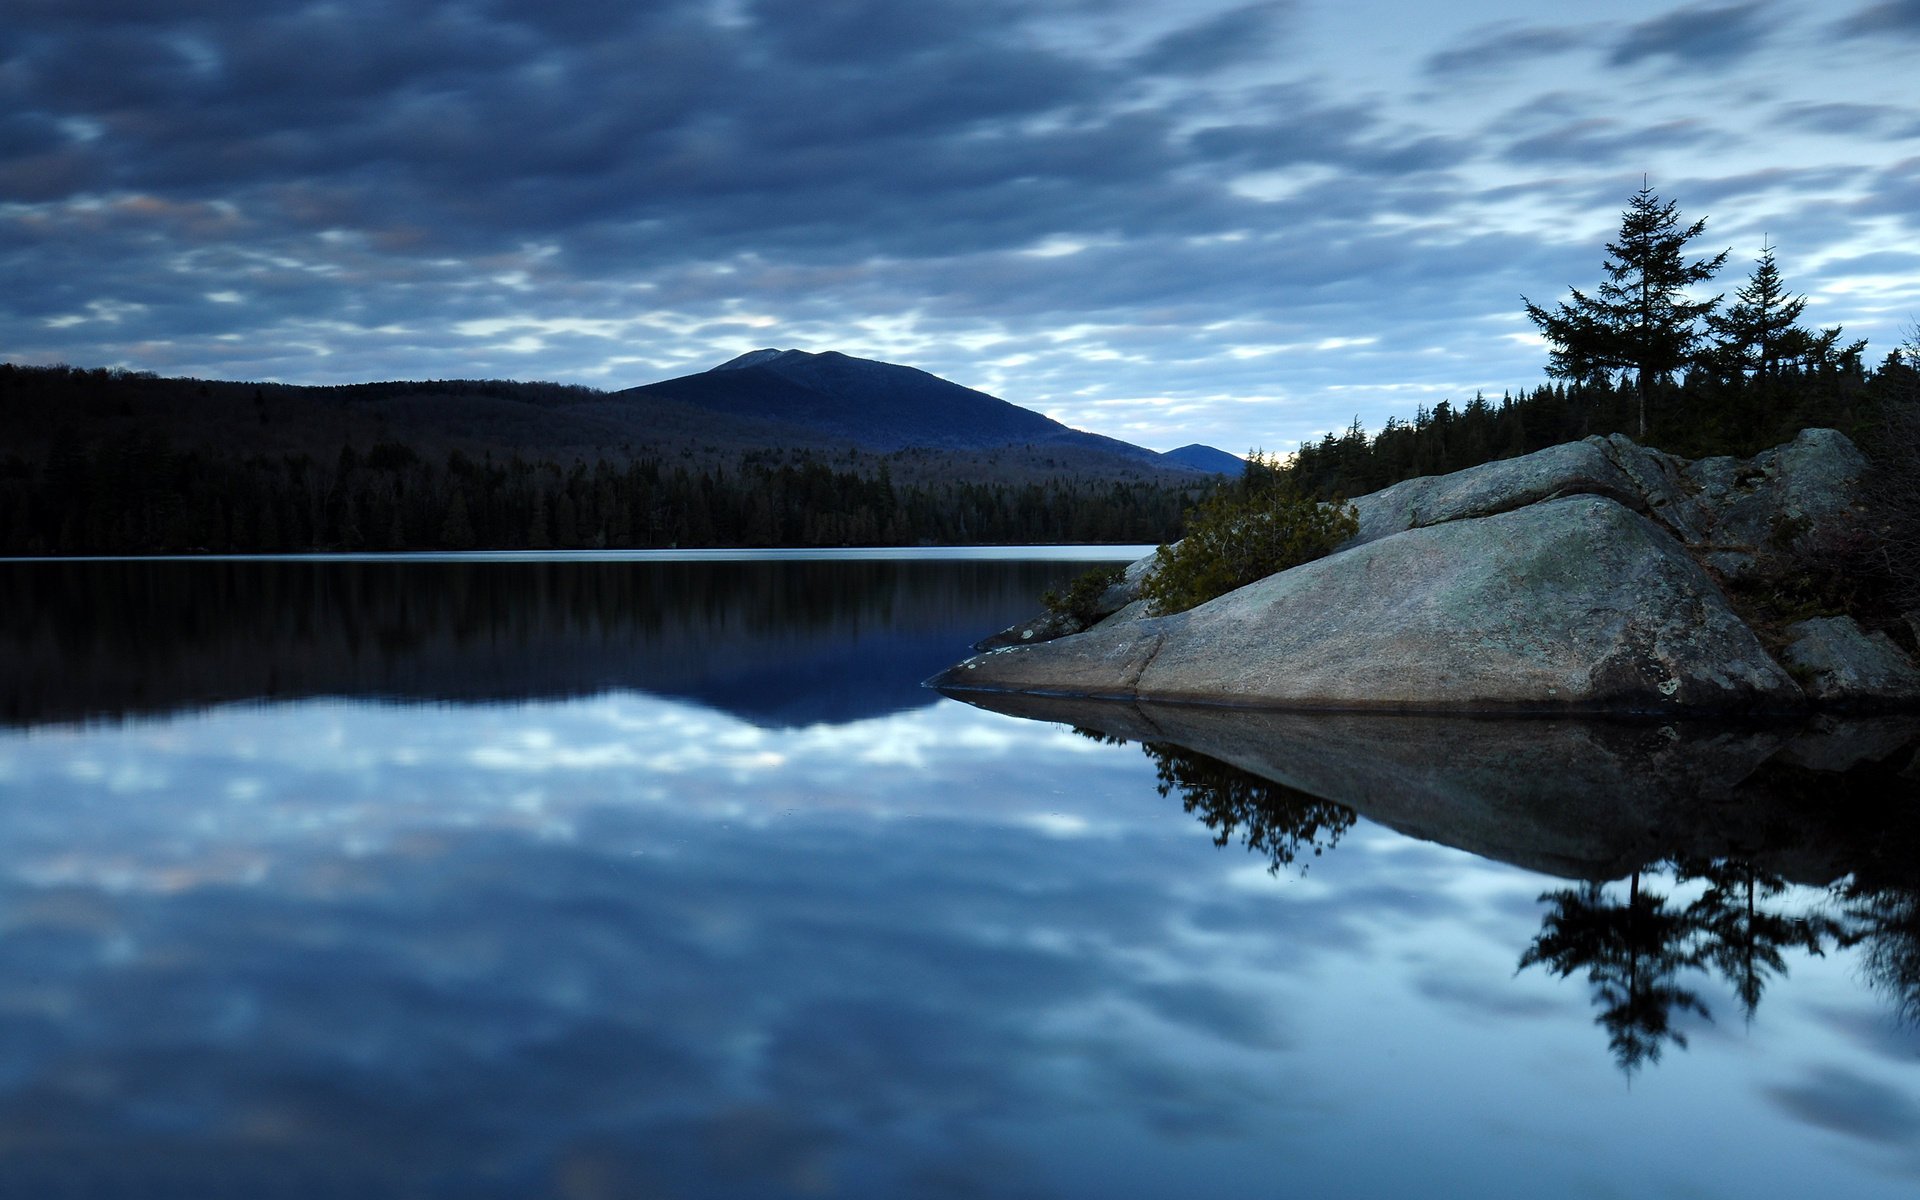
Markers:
point(665, 878)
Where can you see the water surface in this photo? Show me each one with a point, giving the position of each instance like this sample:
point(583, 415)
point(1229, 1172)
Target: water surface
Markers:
point(643, 878)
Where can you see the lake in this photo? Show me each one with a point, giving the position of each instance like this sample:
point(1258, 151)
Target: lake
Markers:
point(655, 876)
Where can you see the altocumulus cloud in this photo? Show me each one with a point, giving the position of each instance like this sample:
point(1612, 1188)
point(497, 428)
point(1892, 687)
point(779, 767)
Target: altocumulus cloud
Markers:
point(1159, 220)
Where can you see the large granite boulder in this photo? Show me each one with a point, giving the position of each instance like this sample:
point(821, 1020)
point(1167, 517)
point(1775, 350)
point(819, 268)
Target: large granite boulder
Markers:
point(1805, 492)
point(1572, 604)
point(1800, 495)
point(1841, 664)
point(1573, 468)
point(1581, 577)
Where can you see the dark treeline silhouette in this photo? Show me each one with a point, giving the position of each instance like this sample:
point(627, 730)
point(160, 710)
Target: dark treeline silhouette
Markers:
point(115, 462)
point(1695, 417)
point(136, 494)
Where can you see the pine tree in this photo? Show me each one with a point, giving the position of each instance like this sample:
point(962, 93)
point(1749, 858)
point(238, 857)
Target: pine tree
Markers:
point(1639, 318)
point(1759, 333)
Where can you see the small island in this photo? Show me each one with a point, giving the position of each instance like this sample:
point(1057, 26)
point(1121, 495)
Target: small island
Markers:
point(1593, 576)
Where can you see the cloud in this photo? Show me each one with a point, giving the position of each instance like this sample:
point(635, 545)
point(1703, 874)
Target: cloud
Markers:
point(1234, 36)
point(1900, 18)
point(1697, 36)
point(1506, 47)
point(1836, 1099)
point(1892, 122)
point(1601, 139)
point(370, 176)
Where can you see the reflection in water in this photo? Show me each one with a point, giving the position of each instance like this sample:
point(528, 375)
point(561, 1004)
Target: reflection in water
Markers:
point(1268, 818)
point(1837, 802)
point(622, 945)
point(1886, 919)
point(1743, 939)
point(1632, 954)
point(781, 643)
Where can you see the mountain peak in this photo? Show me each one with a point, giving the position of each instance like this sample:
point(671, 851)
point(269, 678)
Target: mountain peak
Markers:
point(757, 358)
point(1206, 458)
point(833, 397)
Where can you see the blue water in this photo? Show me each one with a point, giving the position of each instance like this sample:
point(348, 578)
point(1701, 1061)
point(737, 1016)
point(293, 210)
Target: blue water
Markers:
point(312, 898)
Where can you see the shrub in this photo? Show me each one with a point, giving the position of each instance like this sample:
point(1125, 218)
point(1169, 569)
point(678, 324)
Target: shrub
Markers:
point(1081, 600)
point(1244, 532)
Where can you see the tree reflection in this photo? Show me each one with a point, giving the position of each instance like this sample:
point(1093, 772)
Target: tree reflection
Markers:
point(1739, 937)
point(1724, 896)
point(1633, 954)
point(1269, 818)
point(1637, 954)
point(1885, 921)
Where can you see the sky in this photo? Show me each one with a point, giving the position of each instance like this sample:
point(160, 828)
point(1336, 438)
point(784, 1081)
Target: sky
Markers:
point(1163, 220)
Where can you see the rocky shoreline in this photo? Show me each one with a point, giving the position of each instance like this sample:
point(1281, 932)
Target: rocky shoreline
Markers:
point(1591, 577)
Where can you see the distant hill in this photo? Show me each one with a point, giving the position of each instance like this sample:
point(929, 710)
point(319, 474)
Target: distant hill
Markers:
point(1205, 458)
point(778, 403)
point(778, 448)
point(883, 407)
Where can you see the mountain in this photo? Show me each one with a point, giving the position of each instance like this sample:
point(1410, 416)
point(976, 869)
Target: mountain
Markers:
point(1205, 458)
point(767, 402)
point(877, 406)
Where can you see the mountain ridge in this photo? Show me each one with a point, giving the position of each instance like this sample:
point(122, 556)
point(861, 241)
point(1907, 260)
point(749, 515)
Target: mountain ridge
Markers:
point(887, 407)
point(769, 405)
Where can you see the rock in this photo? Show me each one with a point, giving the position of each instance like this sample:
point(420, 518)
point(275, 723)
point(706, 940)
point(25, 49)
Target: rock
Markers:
point(1043, 628)
point(1127, 590)
point(1574, 604)
point(1805, 493)
point(1666, 493)
point(1837, 742)
point(1841, 664)
point(1805, 490)
point(1646, 481)
point(1584, 799)
point(1048, 625)
point(1570, 578)
point(1573, 468)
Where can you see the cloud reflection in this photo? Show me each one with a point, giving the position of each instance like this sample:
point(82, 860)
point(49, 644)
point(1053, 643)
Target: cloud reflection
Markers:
point(332, 933)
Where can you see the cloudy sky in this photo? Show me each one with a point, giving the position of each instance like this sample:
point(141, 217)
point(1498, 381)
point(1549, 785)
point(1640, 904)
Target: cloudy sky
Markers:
point(1165, 220)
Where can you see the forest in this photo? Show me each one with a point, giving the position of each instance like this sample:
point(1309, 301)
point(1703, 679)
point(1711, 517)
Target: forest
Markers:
point(138, 495)
point(1695, 417)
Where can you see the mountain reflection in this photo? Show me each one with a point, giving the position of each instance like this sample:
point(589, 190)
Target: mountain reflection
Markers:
point(780, 643)
point(1683, 878)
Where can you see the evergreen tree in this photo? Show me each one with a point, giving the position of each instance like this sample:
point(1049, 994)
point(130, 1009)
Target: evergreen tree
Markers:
point(1639, 318)
point(1759, 333)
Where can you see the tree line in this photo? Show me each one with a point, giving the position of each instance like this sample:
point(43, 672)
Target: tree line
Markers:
point(136, 494)
point(1641, 354)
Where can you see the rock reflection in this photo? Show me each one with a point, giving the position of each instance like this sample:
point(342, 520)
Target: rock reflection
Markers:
point(1692, 848)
